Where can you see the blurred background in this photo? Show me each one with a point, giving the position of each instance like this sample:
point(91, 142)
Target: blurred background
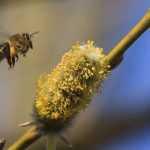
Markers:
point(119, 117)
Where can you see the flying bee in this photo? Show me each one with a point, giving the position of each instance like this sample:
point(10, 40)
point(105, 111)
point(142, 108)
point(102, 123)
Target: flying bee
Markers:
point(16, 44)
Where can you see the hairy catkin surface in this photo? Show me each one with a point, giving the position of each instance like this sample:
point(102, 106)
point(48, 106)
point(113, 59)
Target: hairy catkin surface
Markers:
point(69, 88)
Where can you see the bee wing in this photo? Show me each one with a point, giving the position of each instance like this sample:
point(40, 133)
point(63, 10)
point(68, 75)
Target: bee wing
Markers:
point(30, 44)
point(4, 51)
point(4, 35)
point(1, 56)
point(1, 51)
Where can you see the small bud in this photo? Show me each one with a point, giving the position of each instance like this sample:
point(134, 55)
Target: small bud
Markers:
point(69, 88)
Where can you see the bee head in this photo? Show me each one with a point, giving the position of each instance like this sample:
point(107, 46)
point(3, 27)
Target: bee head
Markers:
point(28, 37)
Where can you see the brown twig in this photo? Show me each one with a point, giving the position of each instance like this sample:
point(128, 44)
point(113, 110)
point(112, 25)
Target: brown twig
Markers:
point(32, 134)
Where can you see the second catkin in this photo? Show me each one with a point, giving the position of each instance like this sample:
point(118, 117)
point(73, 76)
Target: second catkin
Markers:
point(69, 88)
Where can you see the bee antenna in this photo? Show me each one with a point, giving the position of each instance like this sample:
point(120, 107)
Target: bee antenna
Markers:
point(33, 33)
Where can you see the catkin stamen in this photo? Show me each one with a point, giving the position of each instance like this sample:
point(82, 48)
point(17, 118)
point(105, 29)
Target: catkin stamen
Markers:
point(70, 86)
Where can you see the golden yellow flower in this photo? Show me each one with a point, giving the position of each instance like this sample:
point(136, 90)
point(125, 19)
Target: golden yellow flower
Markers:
point(70, 86)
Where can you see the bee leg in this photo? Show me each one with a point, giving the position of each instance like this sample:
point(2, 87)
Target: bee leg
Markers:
point(9, 61)
point(2, 143)
point(13, 61)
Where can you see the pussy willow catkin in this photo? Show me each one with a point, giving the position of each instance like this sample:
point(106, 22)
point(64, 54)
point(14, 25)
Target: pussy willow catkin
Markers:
point(69, 88)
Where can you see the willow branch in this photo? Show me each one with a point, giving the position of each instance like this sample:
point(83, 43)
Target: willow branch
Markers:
point(32, 134)
point(122, 46)
point(26, 140)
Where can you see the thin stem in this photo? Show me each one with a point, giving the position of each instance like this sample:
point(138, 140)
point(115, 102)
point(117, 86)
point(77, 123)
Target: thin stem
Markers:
point(129, 39)
point(26, 140)
point(51, 142)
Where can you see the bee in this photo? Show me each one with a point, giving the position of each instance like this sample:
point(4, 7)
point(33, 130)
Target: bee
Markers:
point(16, 44)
